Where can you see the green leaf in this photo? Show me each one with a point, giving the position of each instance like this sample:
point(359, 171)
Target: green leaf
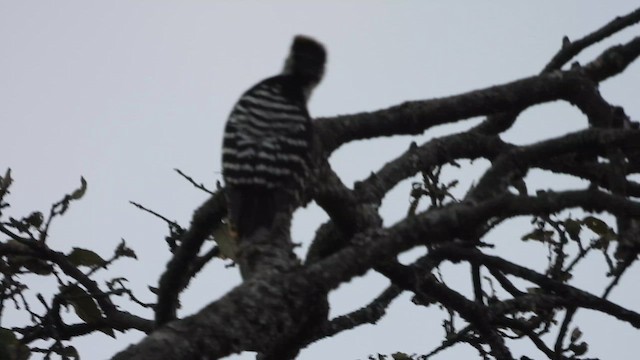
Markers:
point(79, 193)
point(29, 262)
point(84, 257)
point(7, 336)
point(11, 348)
point(226, 240)
point(83, 304)
point(579, 349)
point(125, 251)
point(69, 351)
point(601, 243)
point(596, 225)
point(576, 334)
point(36, 266)
point(573, 228)
point(35, 219)
point(6, 180)
point(539, 235)
point(400, 356)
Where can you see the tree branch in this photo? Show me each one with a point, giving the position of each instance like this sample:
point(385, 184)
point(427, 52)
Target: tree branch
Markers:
point(175, 278)
point(415, 117)
point(369, 314)
point(572, 48)
point(571, 294)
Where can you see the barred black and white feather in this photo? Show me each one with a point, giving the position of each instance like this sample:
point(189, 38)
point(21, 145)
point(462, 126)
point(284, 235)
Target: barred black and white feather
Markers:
point(267, 140)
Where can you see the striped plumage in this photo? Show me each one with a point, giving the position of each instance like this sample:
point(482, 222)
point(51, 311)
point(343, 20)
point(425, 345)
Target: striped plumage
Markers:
point(267, 141)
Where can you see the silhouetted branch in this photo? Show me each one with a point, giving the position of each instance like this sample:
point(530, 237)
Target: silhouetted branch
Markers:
point(194, 183)
point(572, 48)
point(369, 314)
point(176, 277)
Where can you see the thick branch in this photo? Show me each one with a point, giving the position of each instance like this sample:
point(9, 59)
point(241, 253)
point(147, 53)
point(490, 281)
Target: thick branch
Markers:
point(515, 163)
point(252, 317)
point(593, 172)
point(417, 116)
point(435, 152)
point(613, 61)
point(446, 224)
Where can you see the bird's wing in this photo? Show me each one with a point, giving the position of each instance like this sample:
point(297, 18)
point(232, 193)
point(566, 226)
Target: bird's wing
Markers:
point(267, 139)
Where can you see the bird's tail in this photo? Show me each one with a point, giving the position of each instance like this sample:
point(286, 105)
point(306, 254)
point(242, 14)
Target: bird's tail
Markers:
point(250, 209)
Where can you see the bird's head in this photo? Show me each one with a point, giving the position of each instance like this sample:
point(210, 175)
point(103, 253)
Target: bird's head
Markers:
point(306, 60)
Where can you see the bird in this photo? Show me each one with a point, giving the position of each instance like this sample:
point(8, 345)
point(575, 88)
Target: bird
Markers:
point(267, 142)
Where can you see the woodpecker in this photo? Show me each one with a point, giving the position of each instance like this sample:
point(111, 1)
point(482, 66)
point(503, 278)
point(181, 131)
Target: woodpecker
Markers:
point(267, 141)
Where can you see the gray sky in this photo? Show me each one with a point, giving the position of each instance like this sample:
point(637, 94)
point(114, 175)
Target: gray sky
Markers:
point(123, 92)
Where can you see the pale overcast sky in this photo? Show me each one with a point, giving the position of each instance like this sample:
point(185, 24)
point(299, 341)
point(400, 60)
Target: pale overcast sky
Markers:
point(122, 92)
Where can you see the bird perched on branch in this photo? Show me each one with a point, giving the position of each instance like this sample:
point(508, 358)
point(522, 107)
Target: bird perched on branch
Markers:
point(267, 141)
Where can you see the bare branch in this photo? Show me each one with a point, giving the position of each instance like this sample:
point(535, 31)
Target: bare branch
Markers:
point(369, 314)
point(193, 182)
point(572, 48)
point(176, 277)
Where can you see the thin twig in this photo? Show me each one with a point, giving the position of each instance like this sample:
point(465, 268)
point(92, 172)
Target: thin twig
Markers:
point(451, 340)
point(563, 329)
point(170, 222)
point(620, 270)
point(193, 182)
point(369, 314)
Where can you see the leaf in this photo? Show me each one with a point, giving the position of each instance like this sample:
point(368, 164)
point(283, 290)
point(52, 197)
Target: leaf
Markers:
point(11, 348)
point(596, 225)
point(69, 351)
point(35, 219)
point(573, 228)
point(601, 243)
point(576, 334)
point(400, 356)
point(579, 349)
point(226, 240)
point(83, 304)
point(124, 251)
point(17, 246)
point(29, 262)
point(539, 235)
point(79, 193)
point(6, 180)
point(36, 266)
point(84, 257)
